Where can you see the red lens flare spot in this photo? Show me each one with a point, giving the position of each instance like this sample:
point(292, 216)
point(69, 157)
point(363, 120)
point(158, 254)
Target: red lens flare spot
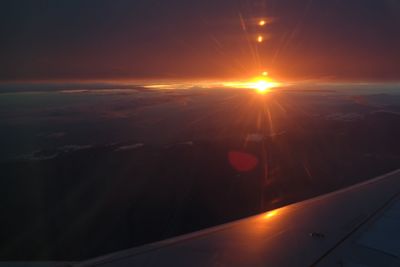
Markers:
point(242, 161)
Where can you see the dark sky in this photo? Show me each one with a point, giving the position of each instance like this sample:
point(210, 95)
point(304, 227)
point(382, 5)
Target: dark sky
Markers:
point(121, 39)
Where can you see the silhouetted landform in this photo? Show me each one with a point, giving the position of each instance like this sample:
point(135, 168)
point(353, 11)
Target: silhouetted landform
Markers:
point(93, 201)
point(73, 202)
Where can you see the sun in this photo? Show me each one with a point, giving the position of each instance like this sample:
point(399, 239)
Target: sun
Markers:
point(261, 84)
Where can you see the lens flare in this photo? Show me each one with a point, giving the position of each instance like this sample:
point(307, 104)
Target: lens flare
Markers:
point(260, 39)
point(262, 22)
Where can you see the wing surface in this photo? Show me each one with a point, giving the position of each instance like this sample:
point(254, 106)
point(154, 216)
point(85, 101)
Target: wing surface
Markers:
point(356, 226)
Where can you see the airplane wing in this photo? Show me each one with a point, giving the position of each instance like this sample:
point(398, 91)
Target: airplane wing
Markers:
point(357, 226)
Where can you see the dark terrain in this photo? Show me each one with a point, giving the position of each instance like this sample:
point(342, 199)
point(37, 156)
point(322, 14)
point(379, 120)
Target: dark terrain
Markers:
point(165, 172)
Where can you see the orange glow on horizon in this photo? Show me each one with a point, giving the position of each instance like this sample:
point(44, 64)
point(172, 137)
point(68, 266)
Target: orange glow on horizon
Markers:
point(261, 84)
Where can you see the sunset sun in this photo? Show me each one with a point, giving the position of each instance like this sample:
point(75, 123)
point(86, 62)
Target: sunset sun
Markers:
point(261, 84)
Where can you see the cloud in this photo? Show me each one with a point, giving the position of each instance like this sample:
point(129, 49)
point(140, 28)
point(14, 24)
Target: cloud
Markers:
point(348, 117)
point(56, 135)
point(39, 155)
point(129, 147)
point(385, 112)
point(73, 148)
point(47, 154)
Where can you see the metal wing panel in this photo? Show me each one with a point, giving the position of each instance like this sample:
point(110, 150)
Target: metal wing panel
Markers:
point(302, 234)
